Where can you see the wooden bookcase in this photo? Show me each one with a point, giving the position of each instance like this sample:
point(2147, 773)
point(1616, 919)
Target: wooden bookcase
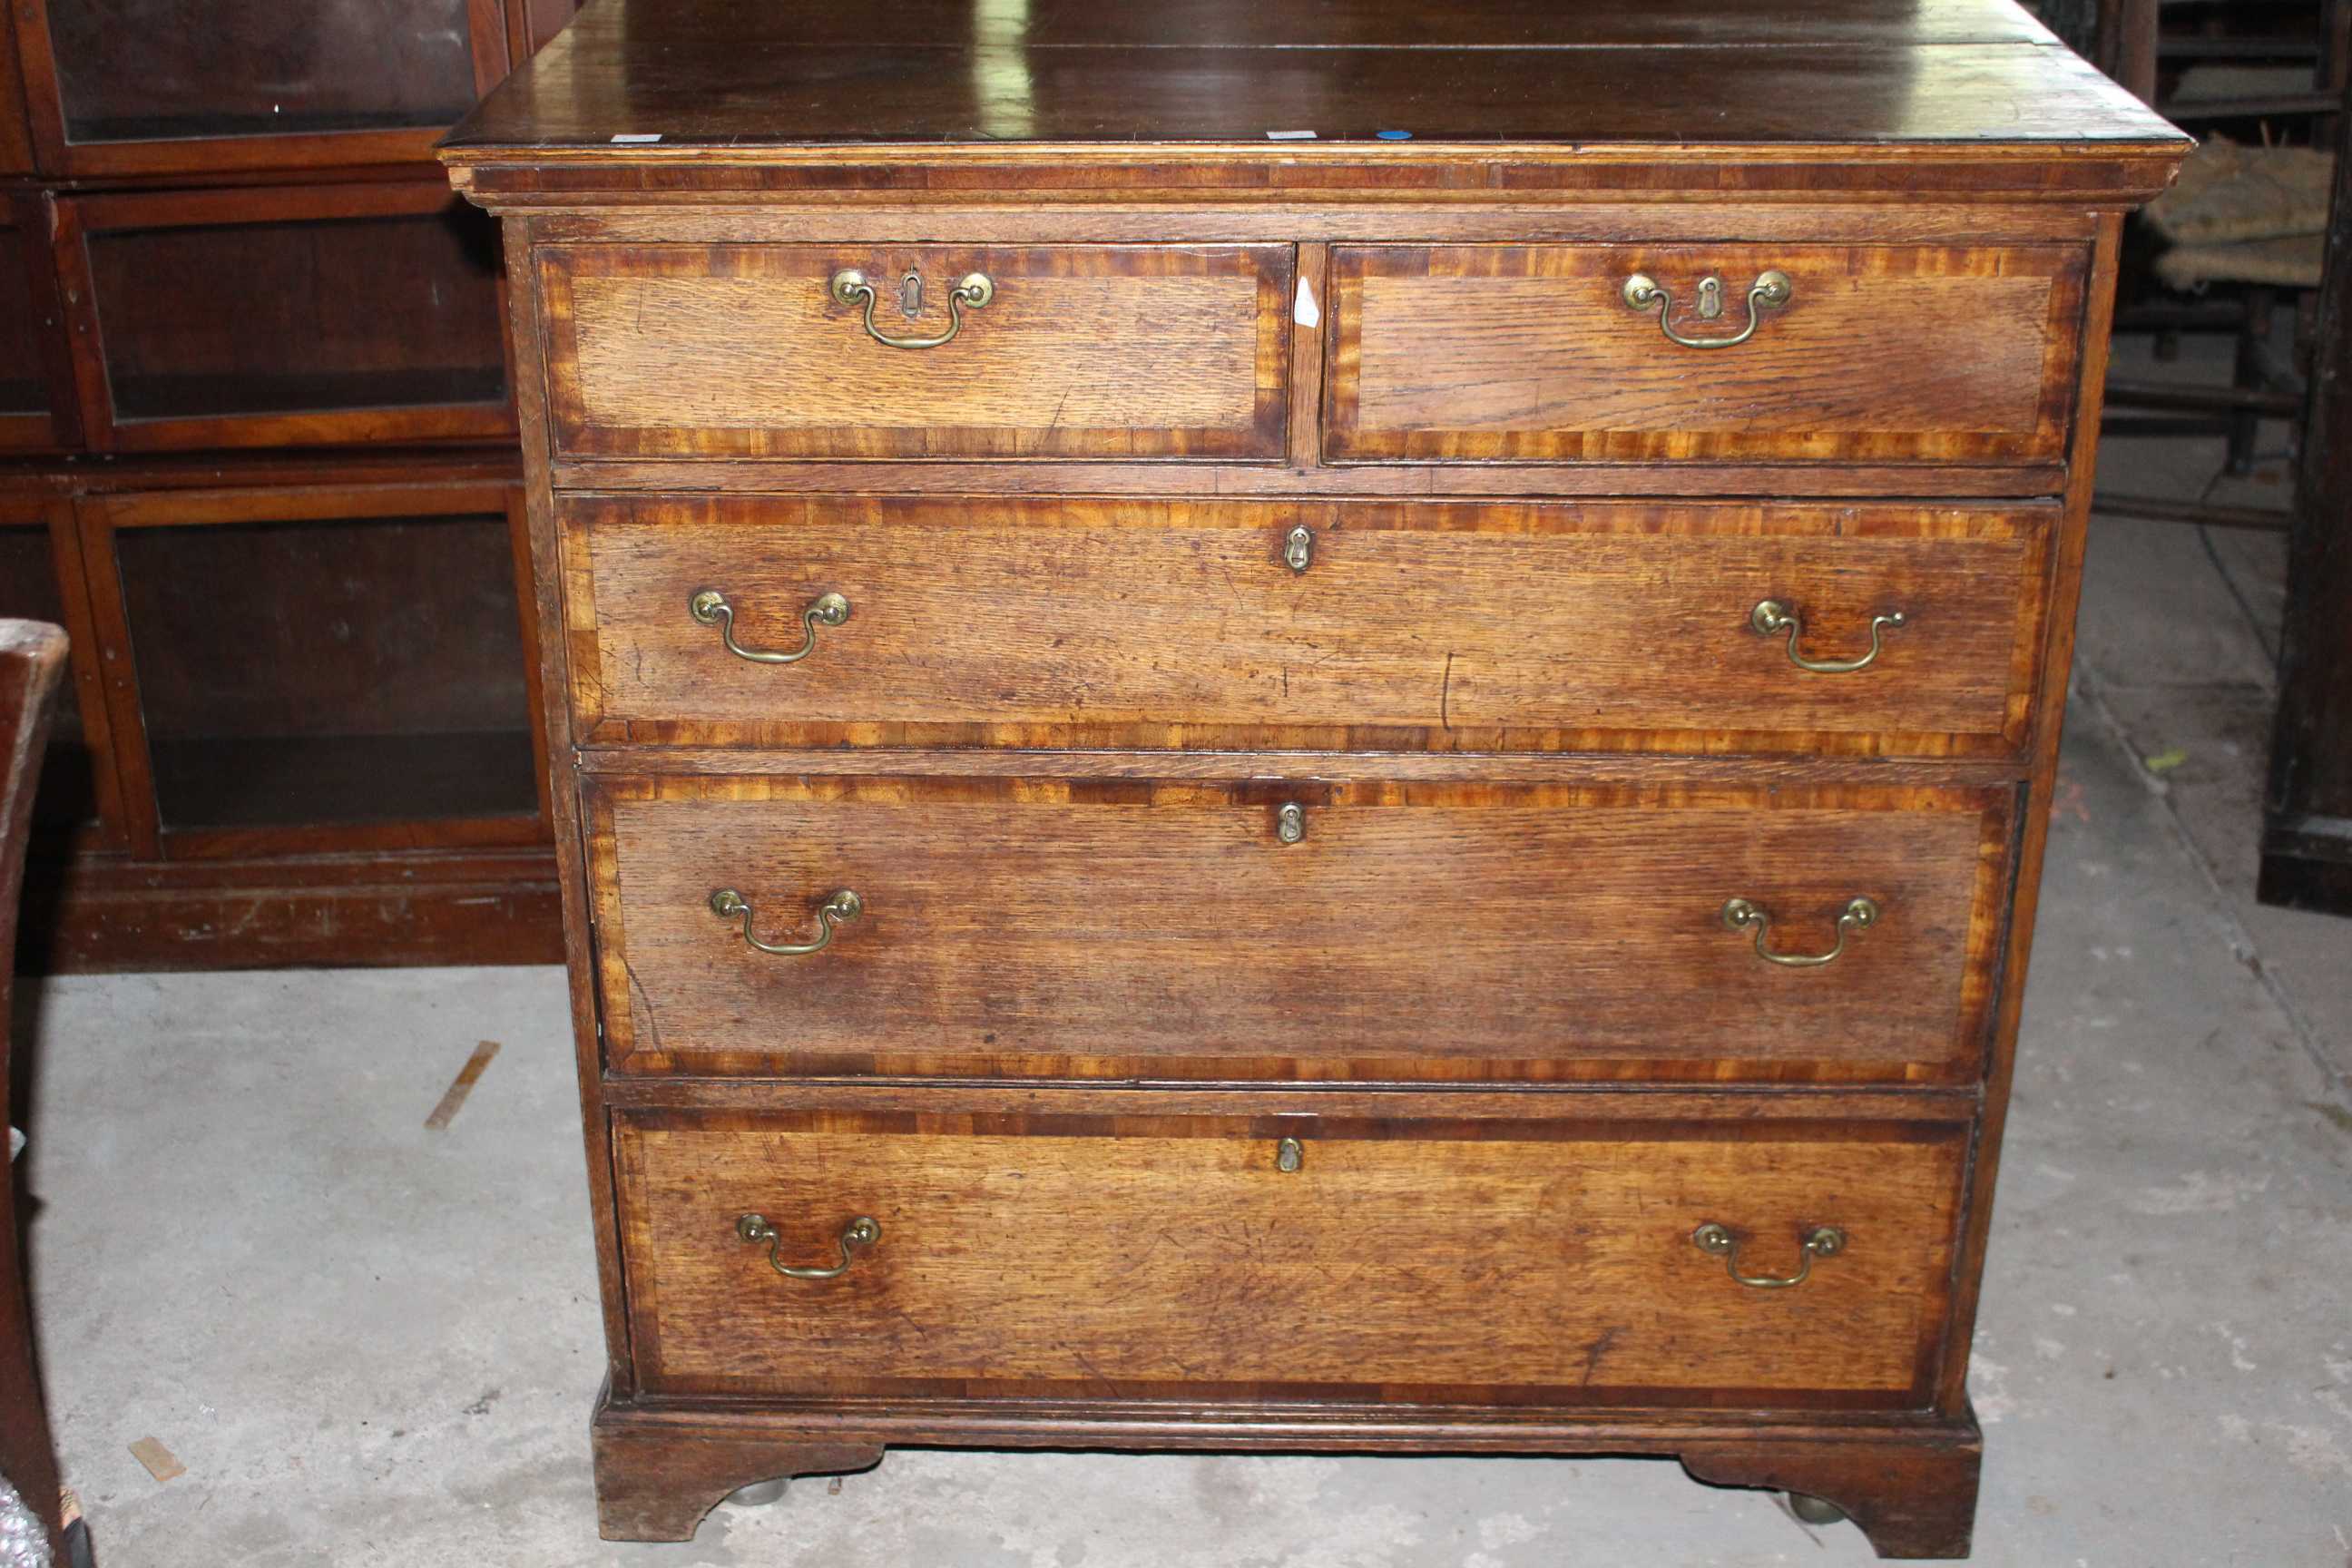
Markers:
point(256, 455)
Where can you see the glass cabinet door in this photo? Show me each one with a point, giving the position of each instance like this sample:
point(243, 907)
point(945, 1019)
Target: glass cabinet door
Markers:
point(31, 357)
point(69, 800)
point(16, 131)
point(324, 668)
point(120, 87)
point(322, 315)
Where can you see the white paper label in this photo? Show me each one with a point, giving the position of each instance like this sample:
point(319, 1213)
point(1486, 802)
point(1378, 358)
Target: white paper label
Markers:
point(638, 136)
point(1306, 312)
point(1290, 136)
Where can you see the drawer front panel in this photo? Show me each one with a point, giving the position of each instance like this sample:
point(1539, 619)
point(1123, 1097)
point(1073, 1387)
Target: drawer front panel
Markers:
point(744, 351)
point(1545, 1263)
point(1002, 621)
point(1042, 928)
point(1532, 353)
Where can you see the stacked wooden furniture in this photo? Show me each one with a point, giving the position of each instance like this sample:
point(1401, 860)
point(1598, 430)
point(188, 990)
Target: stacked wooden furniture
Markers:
point(258, 455)
point(1229, 790)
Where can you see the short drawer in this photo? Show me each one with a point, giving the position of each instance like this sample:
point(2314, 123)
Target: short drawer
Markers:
point(1296, 928)
point(1409, 1257)
point(1556, 353)
point(764, 350)
point(1374, 625)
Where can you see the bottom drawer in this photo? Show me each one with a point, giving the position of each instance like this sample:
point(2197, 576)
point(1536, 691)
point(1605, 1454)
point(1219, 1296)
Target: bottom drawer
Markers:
point(1437, 1258)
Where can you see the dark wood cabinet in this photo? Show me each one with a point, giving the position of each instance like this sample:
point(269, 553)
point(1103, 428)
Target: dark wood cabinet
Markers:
point(15, 136)
point(180, 87)
point(36, 405)
point(256, 454)
point(312, 668)
point(78, 805)
point(295, 316)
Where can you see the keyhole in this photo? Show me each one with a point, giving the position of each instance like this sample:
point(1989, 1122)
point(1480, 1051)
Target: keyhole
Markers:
point(1710, 298)
point(910, 294)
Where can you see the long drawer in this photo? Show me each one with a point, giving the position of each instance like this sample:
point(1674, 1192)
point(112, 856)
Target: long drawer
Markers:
point(1277, 1253)
point(1891, 629)
point(1296, 928)
point(772, 351)
point(1608, 353)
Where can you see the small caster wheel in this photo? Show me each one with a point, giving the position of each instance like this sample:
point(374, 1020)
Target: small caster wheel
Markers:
point(1814, 1511)
point(759, 1494)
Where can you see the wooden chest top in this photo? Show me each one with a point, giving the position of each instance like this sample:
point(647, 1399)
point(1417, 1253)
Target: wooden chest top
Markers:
point(660, 94)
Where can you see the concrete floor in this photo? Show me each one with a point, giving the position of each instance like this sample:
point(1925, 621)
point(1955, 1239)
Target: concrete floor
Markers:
point(372, 1344)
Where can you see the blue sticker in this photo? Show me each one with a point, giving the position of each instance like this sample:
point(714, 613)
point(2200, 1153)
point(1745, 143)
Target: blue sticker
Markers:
point(1394, 135)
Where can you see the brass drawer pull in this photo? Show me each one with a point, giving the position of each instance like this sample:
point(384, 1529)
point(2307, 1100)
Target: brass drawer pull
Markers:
point(1770, 617)
point(1740, 914)
point(974, 289)
point(1820, 1241)
point(728, 904)
point(710, 607)
point(1770, 291)
point(861, 1232)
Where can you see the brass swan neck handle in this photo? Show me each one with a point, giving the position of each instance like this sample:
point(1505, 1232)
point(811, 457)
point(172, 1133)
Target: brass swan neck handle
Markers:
point(972, 291)
point(1820, 1241)
point(1771, 290)
point(836, 911)
point(710, 607)
point(1771, 617)
point(858, 1234)
point(1745, 914)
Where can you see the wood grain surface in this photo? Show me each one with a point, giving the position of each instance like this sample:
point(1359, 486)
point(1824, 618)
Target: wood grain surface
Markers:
point(1017, 621)
point(734, 78)
point(1168, 1256)
point(1044, 927)
point(740, 350)
point(1882, 352)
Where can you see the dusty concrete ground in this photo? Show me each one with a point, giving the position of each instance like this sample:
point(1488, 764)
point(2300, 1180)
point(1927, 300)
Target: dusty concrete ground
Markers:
point(372, 1344)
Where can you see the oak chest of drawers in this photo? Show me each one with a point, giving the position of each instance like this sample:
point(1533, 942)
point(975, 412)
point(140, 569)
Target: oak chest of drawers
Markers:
point(1229, 788)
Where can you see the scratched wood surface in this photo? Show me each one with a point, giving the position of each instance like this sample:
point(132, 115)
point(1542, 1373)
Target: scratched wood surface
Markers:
point(1531, 1263)
point(1020, 621)
point(1882, 352)
point(1047, 927)
point(741, 351)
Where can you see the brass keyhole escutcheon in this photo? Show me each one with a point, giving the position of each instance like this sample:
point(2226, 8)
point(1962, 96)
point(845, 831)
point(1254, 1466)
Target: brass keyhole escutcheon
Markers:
point(1288, 1156)
point(1299, 550)
point(910, 294)
point(1710, 298)
point(1290, 822)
